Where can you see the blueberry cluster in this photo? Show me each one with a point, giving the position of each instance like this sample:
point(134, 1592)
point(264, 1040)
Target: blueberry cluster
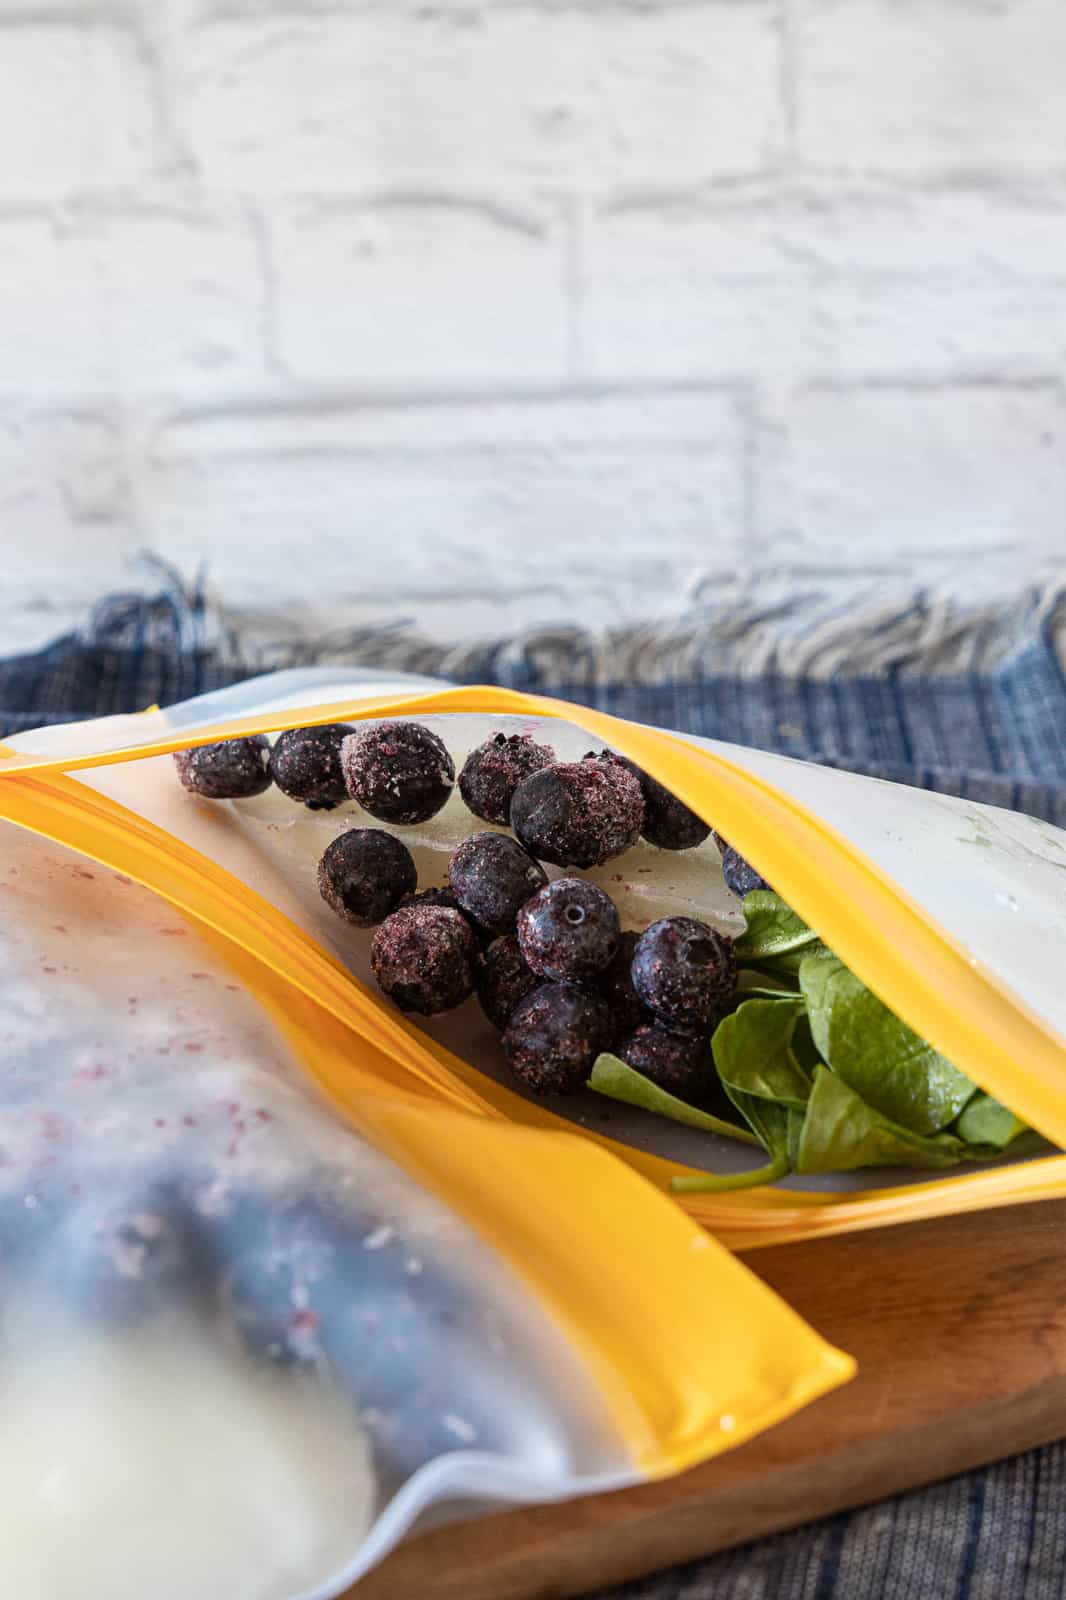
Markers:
point(551, 966)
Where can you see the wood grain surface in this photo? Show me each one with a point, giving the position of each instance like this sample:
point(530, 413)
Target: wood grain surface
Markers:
point(959, 1328)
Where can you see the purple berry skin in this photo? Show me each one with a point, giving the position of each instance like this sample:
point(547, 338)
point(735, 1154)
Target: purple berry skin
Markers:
point(680, 1063)
point(668, 824)
point(504, 978)
point(493, 771)
point(739, 875)
point(444, 897)
point(305, 763)
point(491, 876)
point(627, 1010)
point(398, 771)
point(569, 930)
point(578, 813)
point(364, 874)
point(425, 959)
point(685, 973)
point(554, 1036)
point(232, 769)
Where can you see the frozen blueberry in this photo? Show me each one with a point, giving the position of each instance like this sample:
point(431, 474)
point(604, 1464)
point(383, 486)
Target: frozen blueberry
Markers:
point(685, 972)
point(364, 874)
point(233, 769)
point(667, 822)
point(398, 771)
point(425, 959)
point(739, 875)
point(305, 763)
point(504, 978)
point(491, 876)
point(569, 930)
point(627, 1010)
point(578, 813)
point(554, 1036)
point(493, 771)
point(444, 897)
point(680, 1063)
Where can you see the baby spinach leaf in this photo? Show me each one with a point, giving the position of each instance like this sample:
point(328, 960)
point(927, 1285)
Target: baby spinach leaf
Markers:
point(773, 929)
point(612, 1077)
point(752, 1050)
point(841, 1133)
point(985, 1121)
point(883, 1060)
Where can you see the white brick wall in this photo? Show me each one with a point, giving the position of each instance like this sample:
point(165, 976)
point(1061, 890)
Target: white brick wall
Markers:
point(495, 310)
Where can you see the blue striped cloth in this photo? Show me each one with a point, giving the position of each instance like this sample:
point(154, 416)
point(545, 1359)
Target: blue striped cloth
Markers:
point(997, 734)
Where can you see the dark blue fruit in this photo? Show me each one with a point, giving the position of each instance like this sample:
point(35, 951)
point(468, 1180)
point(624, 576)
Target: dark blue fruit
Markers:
point(398, 771)
point(504, 978)
point(668, 823)
point(493, 771)
point(491, 876)
point(554, 1036)
point(680, 1063)
point(364, 874)
point(425, 959)
point(739, 875)
point(305, 763)
point(578, 813)
point(569, 930)
point(685, 972)
point(627, 1010)
point(232, 769)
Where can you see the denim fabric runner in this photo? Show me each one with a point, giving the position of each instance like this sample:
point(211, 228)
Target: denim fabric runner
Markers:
point(993, 729)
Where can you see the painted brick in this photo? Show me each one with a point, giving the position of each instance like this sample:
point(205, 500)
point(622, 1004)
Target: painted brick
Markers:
point(423, 293)
point(520, 510)
point(494, 97)
point(51, 333)
point(899, 475)
point(75, 108)
point(931, 86)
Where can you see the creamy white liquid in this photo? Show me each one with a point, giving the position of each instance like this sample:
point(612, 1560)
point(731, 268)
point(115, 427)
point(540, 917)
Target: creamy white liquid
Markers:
point(155, 1465)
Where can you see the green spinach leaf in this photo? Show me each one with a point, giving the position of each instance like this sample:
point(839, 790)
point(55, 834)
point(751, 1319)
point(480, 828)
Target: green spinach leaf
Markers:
point(753, 1052)
point(985, 1121)
point(612, 1077)
point(773, 930)
point(841, 1132)
point(883, 1060)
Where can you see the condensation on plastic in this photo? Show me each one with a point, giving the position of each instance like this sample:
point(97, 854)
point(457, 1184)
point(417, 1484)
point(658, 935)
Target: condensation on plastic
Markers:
point(947, 909)
point(332, 1328)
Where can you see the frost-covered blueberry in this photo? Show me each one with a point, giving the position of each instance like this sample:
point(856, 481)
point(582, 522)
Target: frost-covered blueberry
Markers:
point(364, 874)
point(491, 876)
point(554, 1036)
point(578, 813)
point(680, 1063)
point(504, 978)
point(685, 972)
point(444, 897)
point(232, 769)
point(668, 823)
point(493, 771)
point(569, 930)
point(739, 875)
point(398, 771)
point(425, 959)
point(627, 1010)
point(305, 763)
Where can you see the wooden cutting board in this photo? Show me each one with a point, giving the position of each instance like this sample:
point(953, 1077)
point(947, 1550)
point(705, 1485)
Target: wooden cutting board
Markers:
point(959, 1328)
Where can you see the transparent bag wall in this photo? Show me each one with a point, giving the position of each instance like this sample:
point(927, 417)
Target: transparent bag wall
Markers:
point(242, 1349)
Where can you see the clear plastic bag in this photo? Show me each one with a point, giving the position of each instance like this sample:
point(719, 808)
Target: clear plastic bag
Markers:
point(948, 910)
point(246, 1344)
